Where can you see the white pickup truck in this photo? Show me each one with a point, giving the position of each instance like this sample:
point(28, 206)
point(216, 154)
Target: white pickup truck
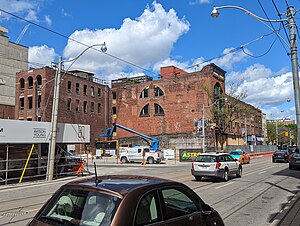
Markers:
point(135, 154)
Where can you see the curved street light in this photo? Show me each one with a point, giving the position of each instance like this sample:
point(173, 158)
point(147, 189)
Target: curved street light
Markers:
point(290, 13)
point(51, 154)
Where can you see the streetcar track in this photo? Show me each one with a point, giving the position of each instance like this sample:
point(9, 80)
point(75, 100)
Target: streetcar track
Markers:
point(233, 210)
point(27, 197)
point(20, 207)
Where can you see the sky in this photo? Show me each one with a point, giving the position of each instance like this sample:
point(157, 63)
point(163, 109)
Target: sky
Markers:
point(141, 36)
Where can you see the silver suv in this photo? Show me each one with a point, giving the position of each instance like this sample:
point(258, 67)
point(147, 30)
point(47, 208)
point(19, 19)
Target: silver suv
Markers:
point(215, 164)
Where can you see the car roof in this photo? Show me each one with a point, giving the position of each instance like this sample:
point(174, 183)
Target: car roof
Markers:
point(119, 185)
point(214, 153)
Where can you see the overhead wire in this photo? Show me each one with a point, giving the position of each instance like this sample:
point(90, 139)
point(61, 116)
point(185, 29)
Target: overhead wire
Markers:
point(279, 14)
point(241, 47)
point(272, 25)
point(74, 40)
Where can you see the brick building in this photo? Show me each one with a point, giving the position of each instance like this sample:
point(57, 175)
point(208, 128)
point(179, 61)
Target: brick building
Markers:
point(83, 99)
point(170, 108)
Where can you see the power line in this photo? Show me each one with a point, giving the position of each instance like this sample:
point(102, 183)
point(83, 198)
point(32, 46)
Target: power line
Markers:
point(236, 49)
point(279, 14)
point(74, 40)
point(272, 25)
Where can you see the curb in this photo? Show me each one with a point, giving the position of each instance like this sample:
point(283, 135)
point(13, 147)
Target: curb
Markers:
point(286, 215)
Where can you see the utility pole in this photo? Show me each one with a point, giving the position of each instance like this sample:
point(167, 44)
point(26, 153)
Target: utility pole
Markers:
point(276, 131)
point(203, 128)
point(246, 134)
point(51, 154)
point(294, 58)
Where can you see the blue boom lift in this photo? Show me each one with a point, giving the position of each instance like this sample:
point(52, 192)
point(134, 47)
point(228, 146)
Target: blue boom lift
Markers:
point(153, 143)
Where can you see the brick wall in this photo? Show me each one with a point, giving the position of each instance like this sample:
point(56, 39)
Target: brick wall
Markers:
point(97, 120)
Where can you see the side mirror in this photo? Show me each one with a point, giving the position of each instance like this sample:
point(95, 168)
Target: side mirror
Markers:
point(206, 209)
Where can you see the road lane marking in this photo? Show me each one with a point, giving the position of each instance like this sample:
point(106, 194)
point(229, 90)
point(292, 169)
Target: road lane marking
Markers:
point(224, 185)
point(258, 171)
point(262, 172)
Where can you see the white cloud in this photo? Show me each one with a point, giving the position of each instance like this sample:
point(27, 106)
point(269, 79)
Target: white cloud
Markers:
point(48, 20)
point(262, 86)
point(23, 7)
point(41, 55)
point(64, 13)
point(230, 56)
point(32, 16)
point(143, 41)
point(200, 2)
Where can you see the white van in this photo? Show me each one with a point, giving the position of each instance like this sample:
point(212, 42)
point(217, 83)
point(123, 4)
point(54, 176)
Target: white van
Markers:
point(135, 154)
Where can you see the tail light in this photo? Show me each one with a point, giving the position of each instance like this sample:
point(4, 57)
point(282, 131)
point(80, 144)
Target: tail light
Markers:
point(218, 164)
point(273, 154)
point(285, 155)
point(193, 165)
point(158, 154)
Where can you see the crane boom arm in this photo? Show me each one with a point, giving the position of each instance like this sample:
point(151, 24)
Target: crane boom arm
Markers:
point(154, 145)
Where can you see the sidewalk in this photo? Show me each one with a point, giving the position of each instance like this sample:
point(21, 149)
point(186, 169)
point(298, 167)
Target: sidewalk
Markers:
point(290, 214)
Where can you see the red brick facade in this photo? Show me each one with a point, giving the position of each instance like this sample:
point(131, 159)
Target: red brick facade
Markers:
point(7, 112)
point(83, 100)
point(181, 101)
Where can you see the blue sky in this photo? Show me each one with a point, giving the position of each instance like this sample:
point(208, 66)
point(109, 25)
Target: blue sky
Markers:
point(151, 34)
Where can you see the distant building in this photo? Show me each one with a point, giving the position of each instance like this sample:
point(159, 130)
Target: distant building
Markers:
point(83, 99)
point(14, 58)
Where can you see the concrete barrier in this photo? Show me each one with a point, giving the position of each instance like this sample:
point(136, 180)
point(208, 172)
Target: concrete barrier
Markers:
point(261, 154)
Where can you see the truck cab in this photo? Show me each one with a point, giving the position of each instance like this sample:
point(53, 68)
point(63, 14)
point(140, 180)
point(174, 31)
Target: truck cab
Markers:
point(139, 154)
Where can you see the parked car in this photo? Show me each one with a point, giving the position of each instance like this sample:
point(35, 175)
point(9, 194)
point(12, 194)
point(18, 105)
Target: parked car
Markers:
point(126, 200)
point(240, 155)
point(214, 164)
point(294, 162)
point(135, 154)
point(280, 156)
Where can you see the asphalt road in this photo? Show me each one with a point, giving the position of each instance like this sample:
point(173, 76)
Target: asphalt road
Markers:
point(255, 199)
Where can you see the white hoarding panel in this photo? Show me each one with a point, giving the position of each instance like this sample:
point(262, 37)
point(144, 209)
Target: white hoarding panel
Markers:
point(23, 132)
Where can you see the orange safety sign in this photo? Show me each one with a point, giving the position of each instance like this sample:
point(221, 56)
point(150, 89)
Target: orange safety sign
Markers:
point(79, 168)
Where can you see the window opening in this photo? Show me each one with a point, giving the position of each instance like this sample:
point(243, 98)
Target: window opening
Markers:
point(158, 110)
point(92, 106)
point(85, 89)
point(84, 106)
point(29, 102)
point(158, 92)
point(145, 93)
point(145, 111)
point(30, 82)
point(69, 86)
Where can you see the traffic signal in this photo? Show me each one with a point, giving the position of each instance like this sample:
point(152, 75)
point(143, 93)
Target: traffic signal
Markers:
point(286, 134)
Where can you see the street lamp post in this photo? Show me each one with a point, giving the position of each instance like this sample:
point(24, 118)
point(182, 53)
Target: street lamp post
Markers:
point(290, 13)
point(52, 145)
point(203, 120)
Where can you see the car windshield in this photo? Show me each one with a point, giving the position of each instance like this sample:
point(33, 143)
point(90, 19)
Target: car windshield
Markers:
point(80, 207)
point(236, 153)
point(206, 158)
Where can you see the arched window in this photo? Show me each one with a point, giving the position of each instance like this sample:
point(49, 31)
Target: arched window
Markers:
point(145, 111)
point(145, 93)
point(30, 82)
point(39, 80)
point(158, 110)
point(22, 83)
point(158, 92)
